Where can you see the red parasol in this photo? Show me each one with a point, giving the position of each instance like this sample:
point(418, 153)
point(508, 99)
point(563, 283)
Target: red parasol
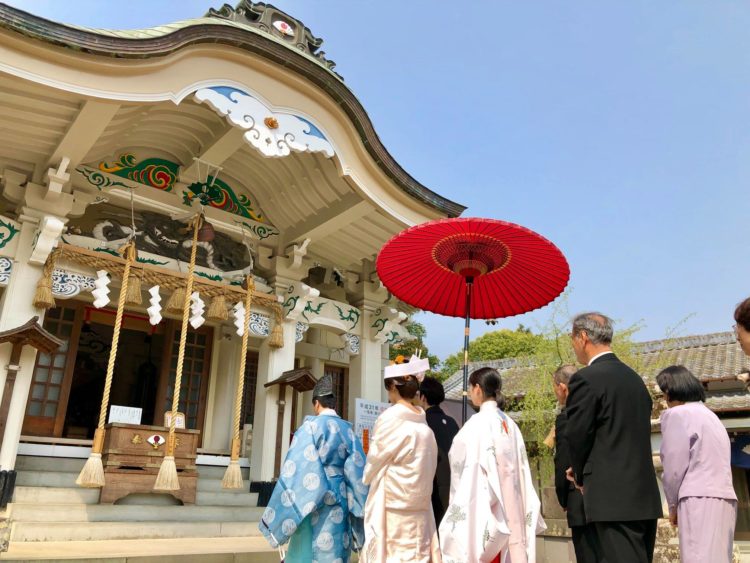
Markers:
point(472, 268)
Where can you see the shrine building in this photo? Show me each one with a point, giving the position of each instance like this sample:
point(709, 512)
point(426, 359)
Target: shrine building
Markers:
point(113, 135)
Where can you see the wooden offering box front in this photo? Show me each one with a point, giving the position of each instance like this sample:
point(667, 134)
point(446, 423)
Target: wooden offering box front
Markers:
point(133, 454)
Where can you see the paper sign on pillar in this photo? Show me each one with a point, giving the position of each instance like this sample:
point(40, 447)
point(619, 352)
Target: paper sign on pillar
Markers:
point(365, 414)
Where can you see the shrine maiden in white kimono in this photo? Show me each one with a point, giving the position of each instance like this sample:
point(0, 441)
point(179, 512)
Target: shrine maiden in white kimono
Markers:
point(318, 502)
point(494, 508)
point(399, 522)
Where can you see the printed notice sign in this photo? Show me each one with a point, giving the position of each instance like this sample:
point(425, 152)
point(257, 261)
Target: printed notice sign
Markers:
point(127, 415)
point(365, 414)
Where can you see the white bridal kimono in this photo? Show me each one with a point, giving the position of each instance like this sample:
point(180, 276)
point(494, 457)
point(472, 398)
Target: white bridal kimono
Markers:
point(399, 522)
point(494, 508)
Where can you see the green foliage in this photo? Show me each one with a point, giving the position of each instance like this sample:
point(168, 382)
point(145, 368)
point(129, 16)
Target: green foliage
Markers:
point(495, 345)
point(410, 347)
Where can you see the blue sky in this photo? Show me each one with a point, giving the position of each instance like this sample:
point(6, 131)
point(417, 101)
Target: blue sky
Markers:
point(618, 130)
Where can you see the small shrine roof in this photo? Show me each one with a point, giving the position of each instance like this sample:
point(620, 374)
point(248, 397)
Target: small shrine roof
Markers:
point(33, 334)
point(300, 379)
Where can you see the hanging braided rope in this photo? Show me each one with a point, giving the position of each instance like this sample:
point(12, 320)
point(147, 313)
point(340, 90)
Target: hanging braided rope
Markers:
point(43, 298)
point(155, 275)
point(233, 476)
point(92, 474)
point(167, 478)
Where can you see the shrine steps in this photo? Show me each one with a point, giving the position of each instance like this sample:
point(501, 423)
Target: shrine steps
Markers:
point(59, 488)
point(70, 513)
point(48, 508)
point(219, 550)
point(98, 531)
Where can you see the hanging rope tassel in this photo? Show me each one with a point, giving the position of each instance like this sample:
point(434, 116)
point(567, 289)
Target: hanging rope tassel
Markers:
point(167, 478)
point(134, 291)
point(92, 474)
point(176, 301)
point(43, 298)
point(217, 310)
point(233, 476)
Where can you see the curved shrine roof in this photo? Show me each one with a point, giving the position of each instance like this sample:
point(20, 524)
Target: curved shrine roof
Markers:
point(250, 27)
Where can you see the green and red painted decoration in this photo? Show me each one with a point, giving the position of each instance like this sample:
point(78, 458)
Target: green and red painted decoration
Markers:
point(162, 174)
point(215, 193)
point(155, 172)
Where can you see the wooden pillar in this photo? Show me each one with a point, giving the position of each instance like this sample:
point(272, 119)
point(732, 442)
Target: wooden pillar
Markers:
point(10, 381)
point(279, 428)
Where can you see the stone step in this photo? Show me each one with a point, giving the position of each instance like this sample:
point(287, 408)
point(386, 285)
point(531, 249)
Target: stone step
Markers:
point(34, 478)
point(74, 465)
point(55, 495)
point(207, 484)
point(100, 531)
point(209, 498)
point(217, 472)
point(218, 550)
point(70, 513)
point(56, 464)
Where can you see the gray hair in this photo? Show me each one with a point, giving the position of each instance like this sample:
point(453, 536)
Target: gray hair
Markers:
point(598, 327)
point(564, 373)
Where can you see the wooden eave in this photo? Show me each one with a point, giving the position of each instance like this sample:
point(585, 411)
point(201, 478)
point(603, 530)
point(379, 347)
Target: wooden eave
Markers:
point(90, 42)
point(32, 334)
point(300, 379)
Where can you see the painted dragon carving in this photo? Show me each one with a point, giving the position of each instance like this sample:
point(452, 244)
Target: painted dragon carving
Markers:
point(160, 235)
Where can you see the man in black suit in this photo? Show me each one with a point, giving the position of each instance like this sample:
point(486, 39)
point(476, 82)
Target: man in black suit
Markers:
point(431, 394)
point(568, 496)
point(608, 433)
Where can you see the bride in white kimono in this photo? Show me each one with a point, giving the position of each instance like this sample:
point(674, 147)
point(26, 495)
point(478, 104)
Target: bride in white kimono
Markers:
point(494, 512)
point(400, 468)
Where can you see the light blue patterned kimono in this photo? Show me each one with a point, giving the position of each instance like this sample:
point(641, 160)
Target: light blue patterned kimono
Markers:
point(319, 499)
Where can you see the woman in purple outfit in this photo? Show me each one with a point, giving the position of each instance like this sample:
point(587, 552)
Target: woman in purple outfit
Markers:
point(695, 453)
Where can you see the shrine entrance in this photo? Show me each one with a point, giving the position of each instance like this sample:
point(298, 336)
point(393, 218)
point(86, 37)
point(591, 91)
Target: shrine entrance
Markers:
point(67, 387)
point(135, 383)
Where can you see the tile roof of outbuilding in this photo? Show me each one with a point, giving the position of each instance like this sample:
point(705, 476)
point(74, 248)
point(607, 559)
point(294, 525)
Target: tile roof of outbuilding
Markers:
point(713, 358)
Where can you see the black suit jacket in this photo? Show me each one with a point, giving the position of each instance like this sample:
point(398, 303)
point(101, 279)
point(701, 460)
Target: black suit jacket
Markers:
point(445, 429)
point(608, 433)
point(568, 496)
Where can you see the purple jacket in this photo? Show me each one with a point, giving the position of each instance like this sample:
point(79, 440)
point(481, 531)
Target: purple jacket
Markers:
point(695, 452)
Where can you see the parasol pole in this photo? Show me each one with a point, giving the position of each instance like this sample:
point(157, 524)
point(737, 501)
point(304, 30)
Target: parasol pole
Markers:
point(167, 480)
point(233, 475)
point(92, 474)
point(469, 284)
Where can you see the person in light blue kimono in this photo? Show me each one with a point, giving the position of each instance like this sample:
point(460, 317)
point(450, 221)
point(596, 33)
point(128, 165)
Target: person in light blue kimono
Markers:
point(318, 502)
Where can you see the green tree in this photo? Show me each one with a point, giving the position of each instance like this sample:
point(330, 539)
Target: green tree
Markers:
point(409, 347)
point(496, 345)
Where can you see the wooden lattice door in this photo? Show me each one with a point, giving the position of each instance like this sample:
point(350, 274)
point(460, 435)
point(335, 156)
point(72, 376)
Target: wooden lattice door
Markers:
point(195, 373)
point(339, 374)
point(249, 388)
point(50, 386)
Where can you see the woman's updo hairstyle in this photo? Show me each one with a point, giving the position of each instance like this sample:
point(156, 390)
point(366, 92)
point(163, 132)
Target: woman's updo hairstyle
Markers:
point(742, 314)
point(406, 386)
point(489, 382)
